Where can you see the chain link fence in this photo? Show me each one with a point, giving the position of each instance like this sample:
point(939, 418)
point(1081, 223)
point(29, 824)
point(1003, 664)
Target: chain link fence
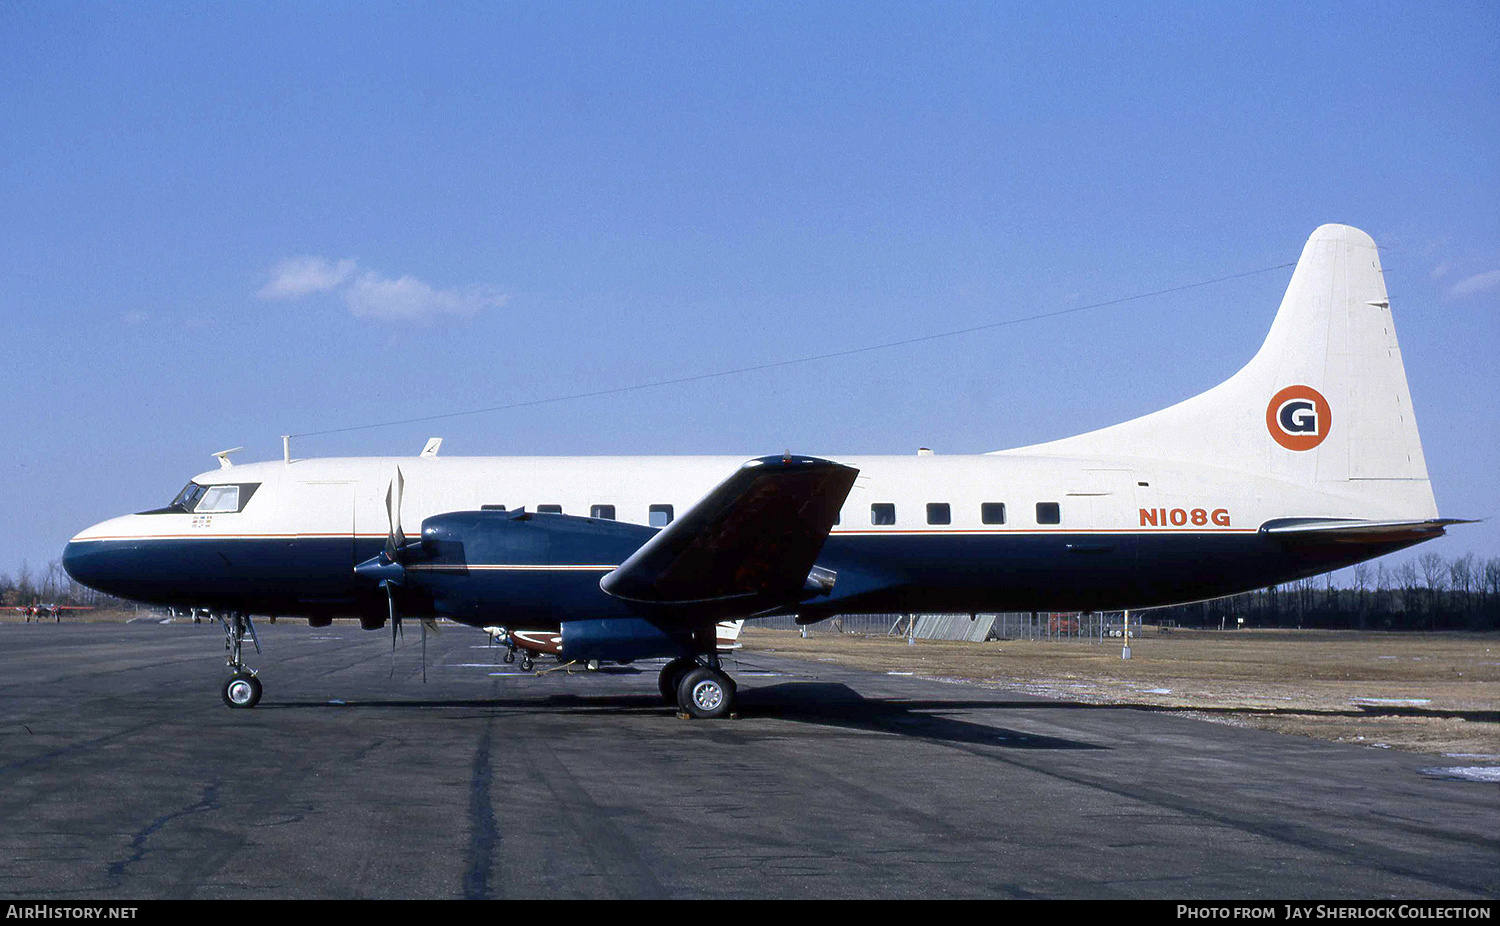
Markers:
point(1091, 627)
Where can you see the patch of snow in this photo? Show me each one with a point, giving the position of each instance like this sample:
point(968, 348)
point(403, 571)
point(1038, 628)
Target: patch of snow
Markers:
point(1466, 773)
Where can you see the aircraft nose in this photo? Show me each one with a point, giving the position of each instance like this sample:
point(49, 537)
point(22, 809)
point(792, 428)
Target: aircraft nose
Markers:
point(100, 559)
point(87, 563)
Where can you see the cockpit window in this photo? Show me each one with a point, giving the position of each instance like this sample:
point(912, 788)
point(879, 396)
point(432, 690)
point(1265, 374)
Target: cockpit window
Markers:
point(188, 497)
point(219, 498)
point(214, 499)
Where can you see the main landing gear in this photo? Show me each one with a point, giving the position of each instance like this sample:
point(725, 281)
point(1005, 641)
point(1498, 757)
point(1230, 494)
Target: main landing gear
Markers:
point(243, 688)
point(698, 687)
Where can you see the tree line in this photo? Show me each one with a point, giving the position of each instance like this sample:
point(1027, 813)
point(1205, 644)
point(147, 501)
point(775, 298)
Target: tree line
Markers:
point(1430, 592)
point(52, 585)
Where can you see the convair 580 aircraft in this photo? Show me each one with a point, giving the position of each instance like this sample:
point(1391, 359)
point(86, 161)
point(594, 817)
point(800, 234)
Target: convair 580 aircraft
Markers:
point(1304, 461)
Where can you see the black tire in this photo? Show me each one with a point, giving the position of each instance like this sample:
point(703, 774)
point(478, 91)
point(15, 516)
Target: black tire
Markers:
point(671, 676)
point(242, 690)
point(526, 663)
point(706, 694)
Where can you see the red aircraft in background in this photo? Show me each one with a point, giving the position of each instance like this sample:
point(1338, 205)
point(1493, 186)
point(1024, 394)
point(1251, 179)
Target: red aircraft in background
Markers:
point(39, 611)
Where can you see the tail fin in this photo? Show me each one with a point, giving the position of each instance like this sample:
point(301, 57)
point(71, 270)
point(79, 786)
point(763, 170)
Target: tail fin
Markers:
point(1324, 401)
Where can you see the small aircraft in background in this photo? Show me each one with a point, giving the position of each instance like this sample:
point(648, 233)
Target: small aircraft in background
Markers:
point(1304, 461)
point(40, 611)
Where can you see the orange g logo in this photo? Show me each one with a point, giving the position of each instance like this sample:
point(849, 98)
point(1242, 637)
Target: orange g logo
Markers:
point(1298, 417)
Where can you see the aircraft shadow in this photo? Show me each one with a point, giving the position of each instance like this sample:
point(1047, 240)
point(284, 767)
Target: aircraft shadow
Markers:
point(837, 705)
point(824, 704)
point(831, 704)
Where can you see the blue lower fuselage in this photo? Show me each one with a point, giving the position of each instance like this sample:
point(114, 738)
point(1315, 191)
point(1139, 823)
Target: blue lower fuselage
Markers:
point(959, 572)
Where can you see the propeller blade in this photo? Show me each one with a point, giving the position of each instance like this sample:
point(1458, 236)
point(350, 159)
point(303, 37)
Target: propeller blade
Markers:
point(395, 613)
point(395, 620)
point(396, 537)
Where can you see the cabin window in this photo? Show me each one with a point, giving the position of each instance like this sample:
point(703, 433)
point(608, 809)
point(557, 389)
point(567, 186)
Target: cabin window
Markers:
point(939, 513)
point(992, 512)
point(603, 512)
point(549, 509)
point(1048, 513)
point(659, 516)
point(882, 513)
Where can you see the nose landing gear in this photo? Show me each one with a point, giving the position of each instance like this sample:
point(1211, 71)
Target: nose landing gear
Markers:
point(243, 689)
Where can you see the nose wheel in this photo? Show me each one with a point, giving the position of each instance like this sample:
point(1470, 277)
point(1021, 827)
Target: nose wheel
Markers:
point(242, 690)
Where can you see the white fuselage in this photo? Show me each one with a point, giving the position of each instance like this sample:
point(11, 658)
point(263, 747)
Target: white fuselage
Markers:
point(346, 496)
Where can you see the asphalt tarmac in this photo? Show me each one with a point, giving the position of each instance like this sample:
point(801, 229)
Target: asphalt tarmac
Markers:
point(123, 776)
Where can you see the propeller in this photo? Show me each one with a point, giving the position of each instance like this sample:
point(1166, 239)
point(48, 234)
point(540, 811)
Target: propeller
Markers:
point(394, 539)
point(389, 569)
point(386, 569)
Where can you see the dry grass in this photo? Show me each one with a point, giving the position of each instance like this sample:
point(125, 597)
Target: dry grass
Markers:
point(1432, 693)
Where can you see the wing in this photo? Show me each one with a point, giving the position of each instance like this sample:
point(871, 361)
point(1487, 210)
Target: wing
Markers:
point(749, 544)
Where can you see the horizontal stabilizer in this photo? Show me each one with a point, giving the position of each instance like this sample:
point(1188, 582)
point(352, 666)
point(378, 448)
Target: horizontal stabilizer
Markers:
point(1338, 530)
point(752, 541)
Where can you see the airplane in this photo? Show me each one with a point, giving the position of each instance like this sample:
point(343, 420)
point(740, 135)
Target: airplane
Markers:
point(39, 611)
point(1305, 460)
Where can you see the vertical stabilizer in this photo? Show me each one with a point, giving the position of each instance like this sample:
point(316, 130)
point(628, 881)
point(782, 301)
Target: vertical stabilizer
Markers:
point(1324, 401)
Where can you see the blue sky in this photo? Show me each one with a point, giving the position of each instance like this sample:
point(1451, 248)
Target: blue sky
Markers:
point(220, 223)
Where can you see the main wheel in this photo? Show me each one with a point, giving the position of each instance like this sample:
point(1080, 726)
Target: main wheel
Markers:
point(706, 694)
point(242, 690)
point(671, 676)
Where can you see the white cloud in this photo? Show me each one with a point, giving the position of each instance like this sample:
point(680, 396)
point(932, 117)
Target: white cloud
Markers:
point(1481, 282)
point(409, 299)
point(299, 276)
point(373, 296)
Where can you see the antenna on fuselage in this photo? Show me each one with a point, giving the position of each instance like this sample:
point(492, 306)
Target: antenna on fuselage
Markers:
point(223, 457)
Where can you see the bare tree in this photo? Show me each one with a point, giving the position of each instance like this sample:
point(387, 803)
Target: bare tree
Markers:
point(53, 581)
point(1463, 575)
point(1361, 581)
point(25, 591)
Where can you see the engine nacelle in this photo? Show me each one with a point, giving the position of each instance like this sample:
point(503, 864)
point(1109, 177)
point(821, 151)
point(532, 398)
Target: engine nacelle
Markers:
point(622, 640)
point(508, 567)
